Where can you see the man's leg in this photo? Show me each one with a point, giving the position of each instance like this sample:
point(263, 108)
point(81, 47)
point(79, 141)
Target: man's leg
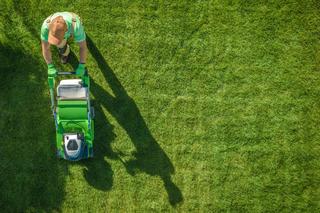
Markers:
point(64, 51)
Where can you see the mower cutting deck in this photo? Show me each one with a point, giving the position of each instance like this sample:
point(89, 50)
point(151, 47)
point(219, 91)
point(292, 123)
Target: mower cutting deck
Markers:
point(73, 116)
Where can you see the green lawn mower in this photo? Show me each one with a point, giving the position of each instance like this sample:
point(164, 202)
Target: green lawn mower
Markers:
point(73, 116)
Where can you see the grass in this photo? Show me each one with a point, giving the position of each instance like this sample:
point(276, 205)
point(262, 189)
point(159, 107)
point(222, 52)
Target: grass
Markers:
point(204, 106)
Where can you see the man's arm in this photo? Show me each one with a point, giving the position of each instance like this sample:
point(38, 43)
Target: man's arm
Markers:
point(46, 52)
point(83, 51)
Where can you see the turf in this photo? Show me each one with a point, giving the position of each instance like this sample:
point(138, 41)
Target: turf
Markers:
point(205, 106)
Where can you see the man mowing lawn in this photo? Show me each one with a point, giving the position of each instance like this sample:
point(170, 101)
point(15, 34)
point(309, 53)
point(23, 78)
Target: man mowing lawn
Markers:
point(56, 30)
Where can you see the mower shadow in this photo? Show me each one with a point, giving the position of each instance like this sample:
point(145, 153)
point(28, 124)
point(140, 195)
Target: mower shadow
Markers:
point(98, 172)
point(149, 156)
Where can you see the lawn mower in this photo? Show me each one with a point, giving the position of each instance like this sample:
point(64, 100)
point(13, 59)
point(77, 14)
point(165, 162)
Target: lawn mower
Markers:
point(73, 116)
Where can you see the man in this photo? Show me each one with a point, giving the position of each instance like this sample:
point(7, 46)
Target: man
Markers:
point(55, 30)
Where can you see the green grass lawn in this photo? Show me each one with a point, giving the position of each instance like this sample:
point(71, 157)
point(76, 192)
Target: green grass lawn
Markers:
point(203, 106)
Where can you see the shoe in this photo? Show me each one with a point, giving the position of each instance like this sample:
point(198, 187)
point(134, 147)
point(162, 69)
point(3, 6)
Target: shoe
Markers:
point(62, 52)
point(64, 59)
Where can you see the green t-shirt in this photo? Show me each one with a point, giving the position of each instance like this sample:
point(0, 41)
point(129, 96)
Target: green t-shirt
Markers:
point(78, 31)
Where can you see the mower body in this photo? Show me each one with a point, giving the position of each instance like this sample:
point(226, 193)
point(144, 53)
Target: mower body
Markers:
point(73, 117)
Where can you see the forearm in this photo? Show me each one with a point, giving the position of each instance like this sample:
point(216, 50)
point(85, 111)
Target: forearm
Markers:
point(46, 52)
point(83, 53)
point(47, 56)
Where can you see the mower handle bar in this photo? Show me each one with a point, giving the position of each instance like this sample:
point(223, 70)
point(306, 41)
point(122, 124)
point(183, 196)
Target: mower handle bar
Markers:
point(66, 73)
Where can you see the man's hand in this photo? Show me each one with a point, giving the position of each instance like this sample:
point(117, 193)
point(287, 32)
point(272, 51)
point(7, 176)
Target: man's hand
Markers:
point(80, 70)
point(52, 71)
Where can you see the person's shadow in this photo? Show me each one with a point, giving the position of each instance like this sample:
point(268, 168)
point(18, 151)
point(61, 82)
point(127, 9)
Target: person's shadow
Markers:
point(149, 156)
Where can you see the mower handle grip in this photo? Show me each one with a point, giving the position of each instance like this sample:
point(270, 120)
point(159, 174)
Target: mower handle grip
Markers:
point(66, 73)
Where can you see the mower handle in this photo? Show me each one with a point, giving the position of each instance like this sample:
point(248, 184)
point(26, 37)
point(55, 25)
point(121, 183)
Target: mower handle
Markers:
point(66, 73)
